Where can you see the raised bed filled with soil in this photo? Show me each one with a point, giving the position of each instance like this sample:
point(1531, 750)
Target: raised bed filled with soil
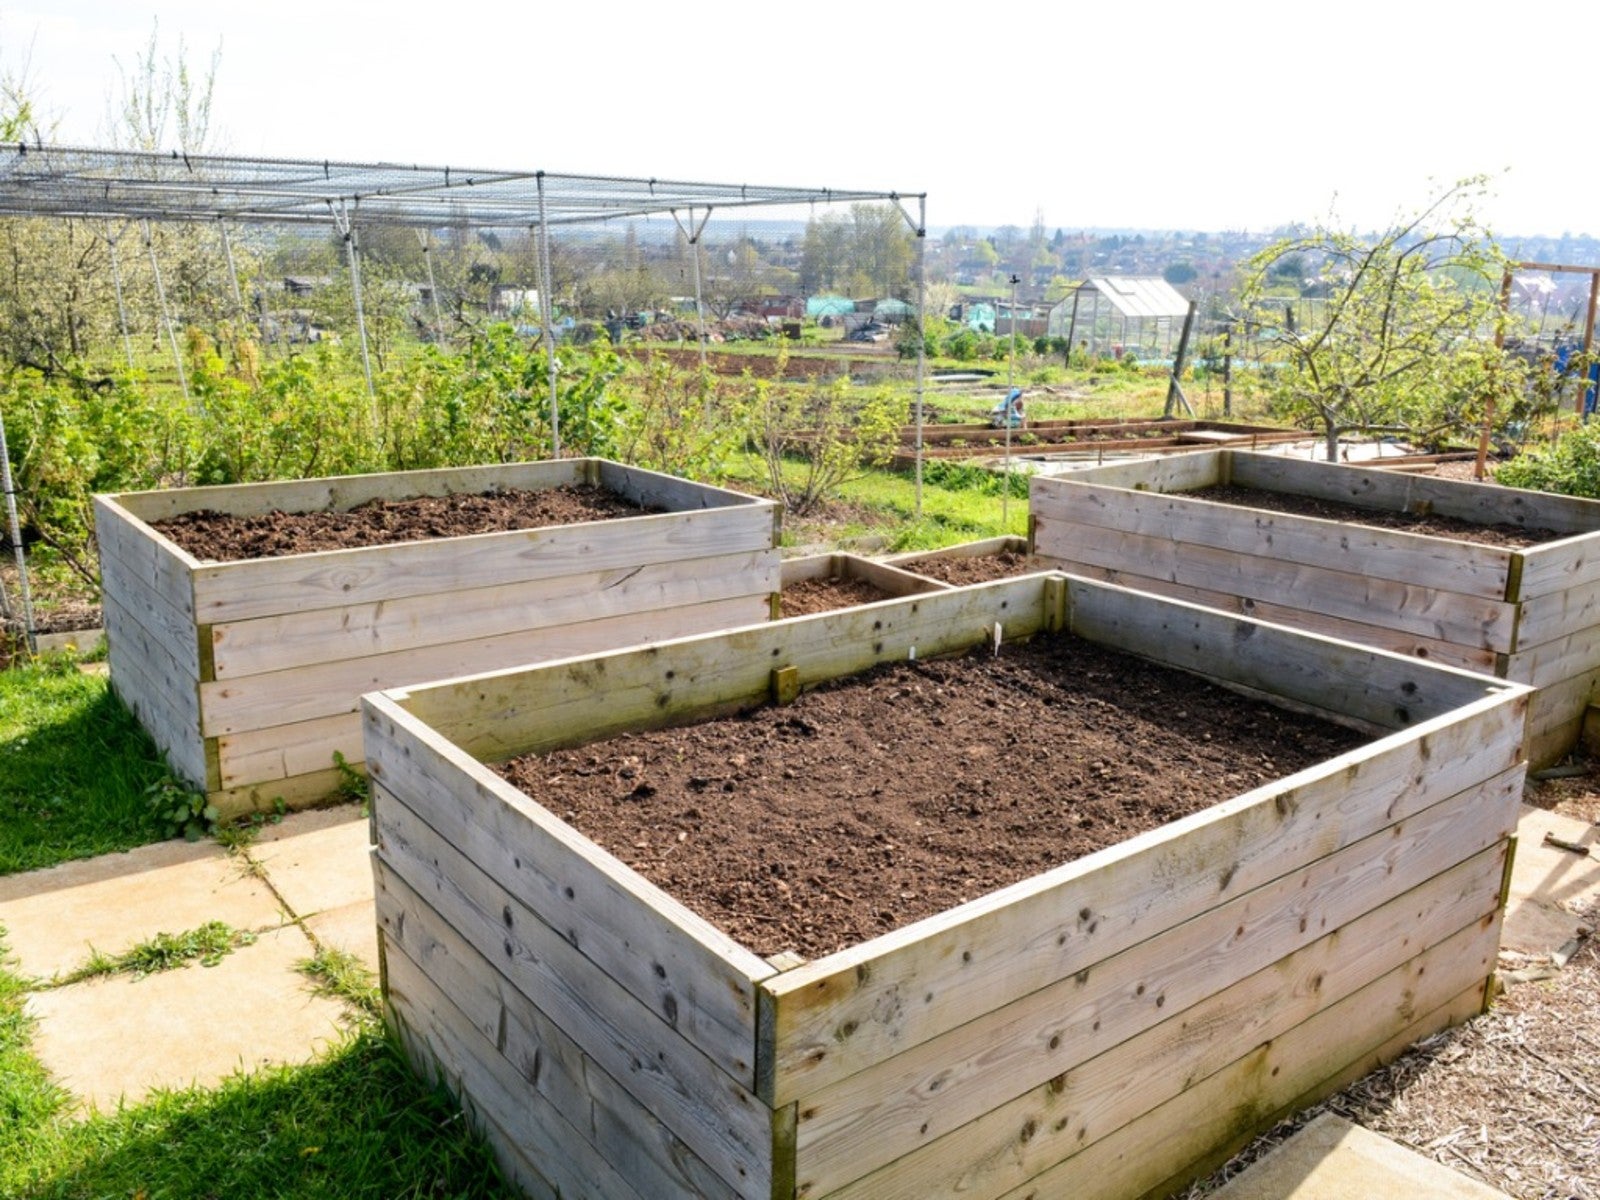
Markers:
point(245, 622)
point(973, 562)
point(1045, 438)
point(794, 911)
point(1493, 579)
point(826, 582)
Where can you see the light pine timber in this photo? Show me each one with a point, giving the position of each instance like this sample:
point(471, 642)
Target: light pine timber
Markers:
point(1347, 680)
point(1177, 473)
point(1408, 558)
point(653, 489)
point(238, 591)
point(514, 1115)
point(447, 914)
point(840, 1014)
point(157, 563)
point(1555, 567)
point(1555, 661)
point(1074, 1113)
point(502, 714)
point(1388, 908)
point(680, 966)
point(622, 1130)
point(985, 548)
point(1397, 641)
point(259, 756)
point(1447, 616)
point(325, 689)
point(314, 636)
point(175, 631)
point(1551, 617)
point(133, 646)
point(892, 581)
point(339, 493)
point(292, 791)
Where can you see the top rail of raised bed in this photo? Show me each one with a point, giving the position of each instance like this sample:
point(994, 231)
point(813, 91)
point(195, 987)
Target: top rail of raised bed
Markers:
point(75, 181)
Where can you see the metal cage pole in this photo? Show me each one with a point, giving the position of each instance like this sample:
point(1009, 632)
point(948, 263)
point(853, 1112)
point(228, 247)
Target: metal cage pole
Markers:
point(347, 230)
point(426, 239)
point(14, 528)
point(547, 310)
point(693, 233)
point(233, 271)
point(116, 282)
point(166, 316)
point(920, 228)
point(1011, 383)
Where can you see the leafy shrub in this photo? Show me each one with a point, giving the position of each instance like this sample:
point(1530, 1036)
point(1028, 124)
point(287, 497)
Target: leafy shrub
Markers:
point(1571, 466)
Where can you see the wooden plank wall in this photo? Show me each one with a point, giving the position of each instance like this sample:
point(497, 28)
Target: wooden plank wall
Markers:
point(889, 578)
point(249, 673)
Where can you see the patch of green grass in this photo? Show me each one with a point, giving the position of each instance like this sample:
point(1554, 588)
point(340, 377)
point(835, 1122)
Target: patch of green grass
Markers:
point(74, 768)
point(166, 952)
point(343, 976)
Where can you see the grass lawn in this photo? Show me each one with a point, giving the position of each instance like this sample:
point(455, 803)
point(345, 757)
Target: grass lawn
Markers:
point(355, 1122)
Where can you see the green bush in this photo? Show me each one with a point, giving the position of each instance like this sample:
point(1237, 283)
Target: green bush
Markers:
point(1571, 466)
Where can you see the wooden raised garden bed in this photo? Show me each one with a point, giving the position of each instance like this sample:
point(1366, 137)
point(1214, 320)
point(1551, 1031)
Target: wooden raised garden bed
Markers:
point(1530, 614)
point(820, 582)
point(973, 562)
point(248, 673)
point(1104, 1028)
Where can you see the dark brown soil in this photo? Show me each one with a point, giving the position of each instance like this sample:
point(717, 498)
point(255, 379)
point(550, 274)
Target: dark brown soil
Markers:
point(871, 803)
point(221, 537)
point(1513, 536)
point(825, 595)
point(976, 568)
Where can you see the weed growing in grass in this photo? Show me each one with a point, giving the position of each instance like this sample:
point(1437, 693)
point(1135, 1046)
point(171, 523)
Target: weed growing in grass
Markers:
point(183, 810)
point(343, 976)
point(208, 945)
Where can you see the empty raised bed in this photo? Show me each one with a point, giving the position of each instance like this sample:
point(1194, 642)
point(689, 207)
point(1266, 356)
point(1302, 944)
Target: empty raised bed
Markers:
point(824, 582)
point(1528, 612)
point(1101, 1028)
point(248, 673)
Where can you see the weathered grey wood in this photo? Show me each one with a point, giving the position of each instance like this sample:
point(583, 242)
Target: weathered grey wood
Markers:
point(1341, 678)
point(696, 978)
point(1390, 554)
point(342, 492)
point(1232, 977)
point(890, 580)
point(1384, 637)
point(175, 631)
point(326, 689)
point(303, 638)
point(1557, 567)
point(652, 489)
point(1085, 1106)
point(827, 1018)
point(1557, 614)
point(292, 791)
point(984, 548)
point(239, 591)
point(1466, 501)
point(532, 967)
point(646, 1096)
point(499, 715)
point(262, 756)
point(553, 1137)
point(137, 646)
point(155, 562)
point(1554, 661)
point(1447, 616)
point(1174, 473)
point(170, 727)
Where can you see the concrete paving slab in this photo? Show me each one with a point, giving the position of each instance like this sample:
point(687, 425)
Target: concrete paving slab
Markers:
point(117, 1037)
point(56, 917)
point(353, 929)
point(1331, 1159)
point(1546, 881)
point(318, 861)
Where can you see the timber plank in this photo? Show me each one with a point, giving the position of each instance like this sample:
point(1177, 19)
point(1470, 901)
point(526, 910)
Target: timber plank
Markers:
point(292, 791)
point(842, 1013)
point(1079, 1109)
point(1556, 567)
point(295, 639)
point(260, 756)
point(1246, 969)
point(1177, 473)
point(556, 1138)
point(984, 548)
point(678, 965)
point(174, 735)
point(1552, 662)
point(328, 688)
point(238, 591)
point(1342, 678)
point(463, 927)
point(155, 562)
point(1558, 614)
point(621, 1127)
point(653, 489)
point(135, 644)
point(891, 580)
point(1448, 616)
point(1464, 568)
point(1384, 637)
point(175, 631)
point(341, 492)
point(500, 714)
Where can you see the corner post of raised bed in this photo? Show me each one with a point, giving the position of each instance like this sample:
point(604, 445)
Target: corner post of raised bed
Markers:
point(784, 685)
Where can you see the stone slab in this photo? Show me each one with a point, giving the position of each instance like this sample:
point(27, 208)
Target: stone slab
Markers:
point(55, 918)
point(120, 1038)
point(1546, 882)
point(1331, 1159)
point(353, 929)
point(318, 860)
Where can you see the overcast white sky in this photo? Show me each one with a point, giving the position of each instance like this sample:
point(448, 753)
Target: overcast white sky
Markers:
point(1225, 115)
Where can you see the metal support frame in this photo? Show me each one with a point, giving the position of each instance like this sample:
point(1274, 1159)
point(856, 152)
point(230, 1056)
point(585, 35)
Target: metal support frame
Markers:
point(344, 221)
point(1005, 414)
point(166, 316)
point(547, 313)
point(920, 228)
point(233, 271)
point(116, 282)
point(425, 240)
point(693, 232)
point(14, 529)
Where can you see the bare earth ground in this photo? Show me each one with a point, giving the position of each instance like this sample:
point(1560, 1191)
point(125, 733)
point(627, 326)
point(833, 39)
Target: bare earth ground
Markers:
point(219, 537)
point(871, 803)
point(1306, 506)
point(976, 568)
point(824, 595)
